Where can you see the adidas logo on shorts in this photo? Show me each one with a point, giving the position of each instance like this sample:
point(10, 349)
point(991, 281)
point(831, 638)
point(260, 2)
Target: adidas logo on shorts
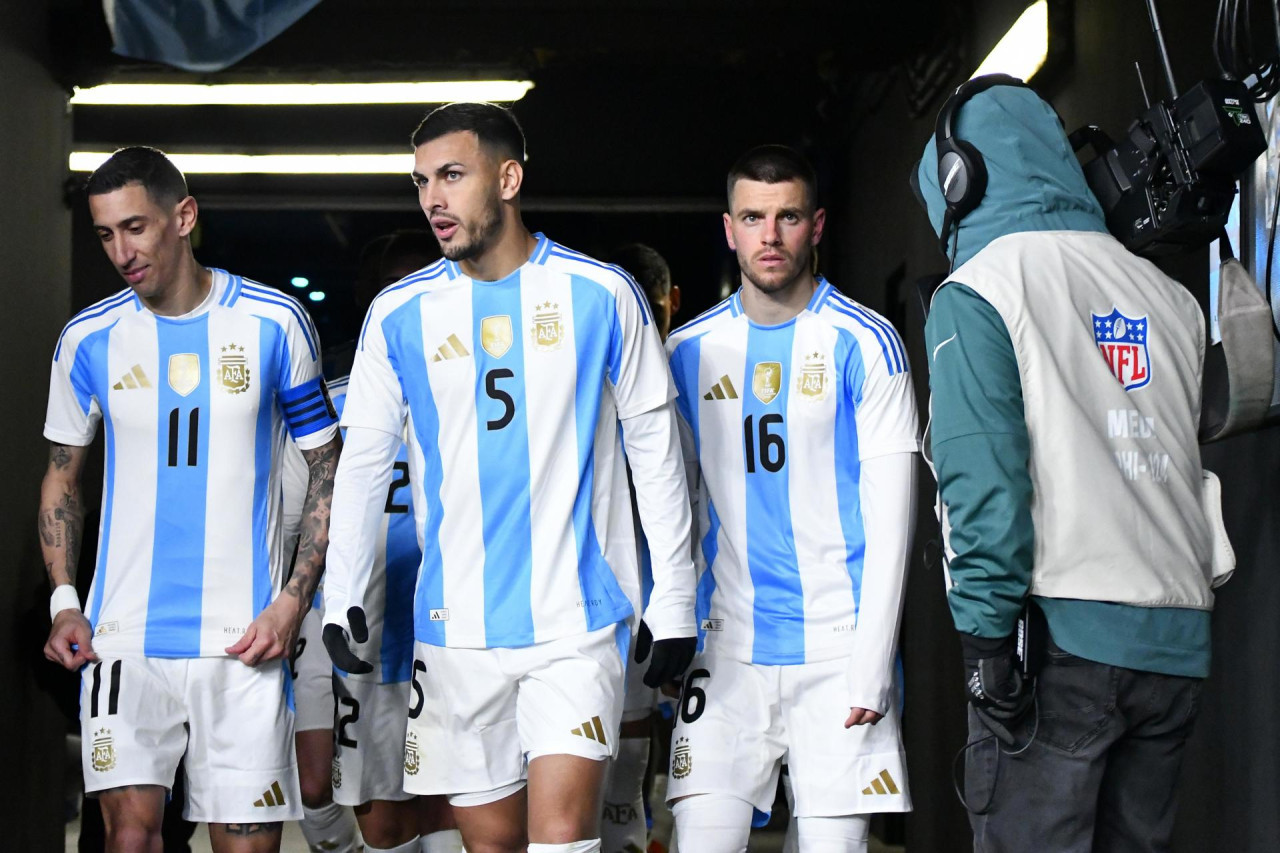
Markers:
point(877, 787)
point(271, 797)
point(591, 730)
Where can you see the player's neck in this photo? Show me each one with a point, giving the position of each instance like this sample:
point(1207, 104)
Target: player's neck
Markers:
point(189, 288)
point(779, 306)
point(506, 254)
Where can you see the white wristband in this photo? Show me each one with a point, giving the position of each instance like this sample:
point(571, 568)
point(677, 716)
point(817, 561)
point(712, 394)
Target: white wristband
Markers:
point(64, 598)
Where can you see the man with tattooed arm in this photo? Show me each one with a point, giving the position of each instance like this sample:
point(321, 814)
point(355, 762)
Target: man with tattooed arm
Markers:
point(198, 376)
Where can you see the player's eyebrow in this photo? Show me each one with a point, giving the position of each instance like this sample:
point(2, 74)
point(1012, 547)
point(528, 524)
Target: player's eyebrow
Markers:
point(128, 222)
point(451, 166)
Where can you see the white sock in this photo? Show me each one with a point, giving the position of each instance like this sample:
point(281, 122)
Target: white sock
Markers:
point(713, 823)
point(663, 823)
point(407, 847)
point(843, 834)
point(622, 825)
point(791, 843)
point(444, 841)
point(329, 829)
point(591, 845)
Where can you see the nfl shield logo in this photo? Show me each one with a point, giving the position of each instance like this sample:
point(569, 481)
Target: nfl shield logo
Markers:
point(1123, 343)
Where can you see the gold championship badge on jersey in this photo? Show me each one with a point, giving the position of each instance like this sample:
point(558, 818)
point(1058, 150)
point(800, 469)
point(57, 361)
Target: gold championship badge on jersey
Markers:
point(233, 369)
point(495, 335)
point(812, 382)
point(547, 328)
point(104, 751)
point(184, 372)
point(766, 381)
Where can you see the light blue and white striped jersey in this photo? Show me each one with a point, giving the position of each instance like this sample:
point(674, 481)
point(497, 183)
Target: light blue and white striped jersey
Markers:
point(512, 391)
point(388, 599)
point(778, 419)
point(196, 410)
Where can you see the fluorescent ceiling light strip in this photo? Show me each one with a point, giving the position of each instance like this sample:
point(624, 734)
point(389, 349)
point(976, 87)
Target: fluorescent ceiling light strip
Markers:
point(1024, 48)
point(269, 164)
point(300, 94)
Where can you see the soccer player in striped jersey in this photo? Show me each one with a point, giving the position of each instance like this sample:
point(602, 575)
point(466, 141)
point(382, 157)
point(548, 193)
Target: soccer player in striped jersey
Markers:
point(512, 362)
point(799, 426)
point(200, 378)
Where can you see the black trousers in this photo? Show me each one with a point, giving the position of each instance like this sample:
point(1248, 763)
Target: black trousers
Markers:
point(1101, 768)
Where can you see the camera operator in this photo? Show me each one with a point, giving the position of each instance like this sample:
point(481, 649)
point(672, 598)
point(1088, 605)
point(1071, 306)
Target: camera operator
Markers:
point(1065, 376)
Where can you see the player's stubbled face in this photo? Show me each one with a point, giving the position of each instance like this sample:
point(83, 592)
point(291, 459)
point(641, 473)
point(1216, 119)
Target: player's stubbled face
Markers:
point(772, 228)
point(459, 189)
point(142, 239)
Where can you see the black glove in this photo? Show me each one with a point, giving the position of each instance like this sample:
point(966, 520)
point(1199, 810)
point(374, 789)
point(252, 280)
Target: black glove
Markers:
point(994, 684)
point(338, 644)
point(670, 657)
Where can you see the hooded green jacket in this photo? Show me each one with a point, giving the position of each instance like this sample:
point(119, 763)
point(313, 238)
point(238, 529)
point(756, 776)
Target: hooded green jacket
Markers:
point(978, 433)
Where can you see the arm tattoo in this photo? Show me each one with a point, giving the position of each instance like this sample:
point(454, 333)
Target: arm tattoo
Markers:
point(313, 539)
point(61, 519)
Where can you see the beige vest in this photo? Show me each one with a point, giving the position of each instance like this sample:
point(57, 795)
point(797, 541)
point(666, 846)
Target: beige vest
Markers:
point(1110, 351)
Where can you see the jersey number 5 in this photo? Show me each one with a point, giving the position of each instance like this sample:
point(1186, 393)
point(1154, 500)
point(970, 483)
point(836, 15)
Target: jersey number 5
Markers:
point(773, 451)
point(495, 393)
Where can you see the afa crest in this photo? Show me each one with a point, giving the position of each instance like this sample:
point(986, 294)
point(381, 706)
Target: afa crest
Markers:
point(1123, 343)
point(547, 328)
point(812, 382)
point(766, 381)
point(681, 759)
point(104, 751)
point(412, 762)
point(233, 369)
point(495, 335)
point(184, 372)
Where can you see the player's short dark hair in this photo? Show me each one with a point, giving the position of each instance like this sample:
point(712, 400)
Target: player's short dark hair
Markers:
point(646, 266)
point(140, 164)
point(495, 127)
point(773, 164)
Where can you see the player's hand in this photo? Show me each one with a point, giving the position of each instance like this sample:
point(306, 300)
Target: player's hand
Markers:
point(862, 717)
point(671, 657)
point(70, 640)
point(337, 641)
point(272, 635)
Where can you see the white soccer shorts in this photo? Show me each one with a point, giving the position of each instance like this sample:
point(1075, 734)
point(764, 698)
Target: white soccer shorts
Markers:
point(234, 723)
point(368, 750)
point(737, 722)
point(312, 677)
point(478, 716)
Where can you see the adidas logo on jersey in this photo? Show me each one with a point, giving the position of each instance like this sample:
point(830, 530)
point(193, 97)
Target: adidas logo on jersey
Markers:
point(722, 390)
point(591, 730)
point(877, 786)
point(439, 614)
point(271, 797)
point(135, 378)
point(451, 348)
point(713, 624)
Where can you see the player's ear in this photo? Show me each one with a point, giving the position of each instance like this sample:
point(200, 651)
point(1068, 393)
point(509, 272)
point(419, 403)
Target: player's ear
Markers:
point(673, 299)
point(186, 212)
point(728, 232)
point(819, 223)
point(510, 179)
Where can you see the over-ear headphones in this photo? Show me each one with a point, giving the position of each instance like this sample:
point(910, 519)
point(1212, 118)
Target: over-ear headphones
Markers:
point(962, 173)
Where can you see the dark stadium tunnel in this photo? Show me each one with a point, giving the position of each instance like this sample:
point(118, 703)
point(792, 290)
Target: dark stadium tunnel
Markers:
point(637, 111)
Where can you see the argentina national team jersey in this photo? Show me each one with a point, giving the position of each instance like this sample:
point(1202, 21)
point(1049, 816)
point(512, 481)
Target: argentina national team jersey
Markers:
point(512, 391)
point(388, 599)
point(779, 419)
point(196, 410)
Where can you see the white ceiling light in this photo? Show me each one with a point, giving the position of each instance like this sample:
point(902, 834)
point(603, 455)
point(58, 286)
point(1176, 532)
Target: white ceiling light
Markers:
point(300, 94)
point(268, 164)
point(1022, 50)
